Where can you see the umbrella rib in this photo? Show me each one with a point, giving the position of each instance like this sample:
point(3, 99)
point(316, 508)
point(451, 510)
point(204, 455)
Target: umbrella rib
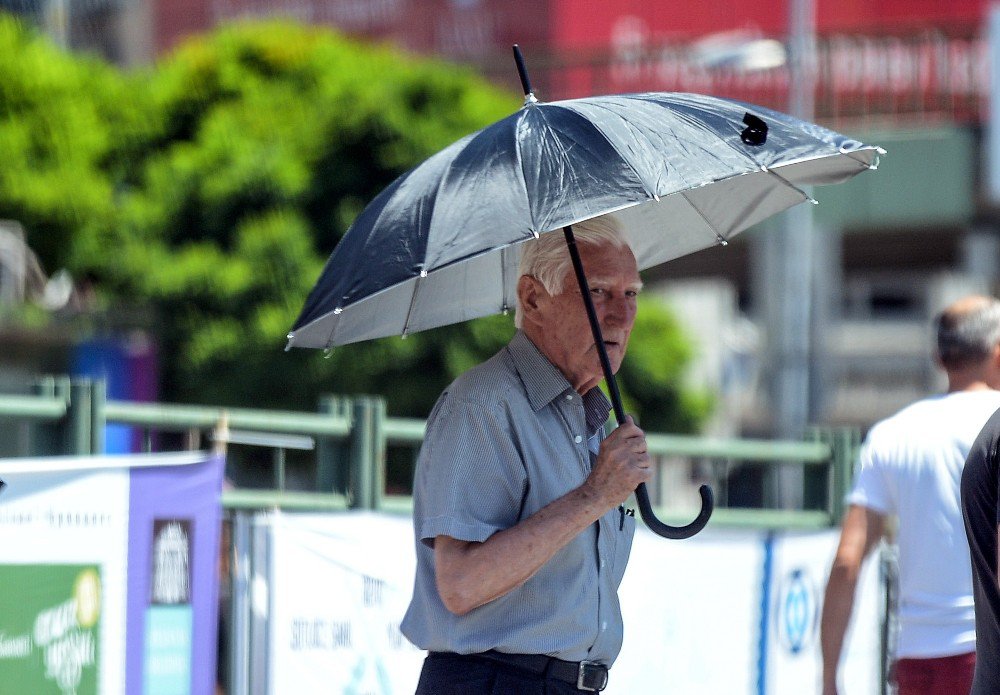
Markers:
point(723, 241)
point(413, 301)
point(507, 257)
point(503, 279)
point(791, 185)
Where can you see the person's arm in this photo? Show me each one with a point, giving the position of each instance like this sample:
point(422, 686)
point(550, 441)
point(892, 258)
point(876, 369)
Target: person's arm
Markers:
point(862, 529)
point(472, 574)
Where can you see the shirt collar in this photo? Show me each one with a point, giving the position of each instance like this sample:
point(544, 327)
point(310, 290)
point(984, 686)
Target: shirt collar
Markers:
point(543, 382)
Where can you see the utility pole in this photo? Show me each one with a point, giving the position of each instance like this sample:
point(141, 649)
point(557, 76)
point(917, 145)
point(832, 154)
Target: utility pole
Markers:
point(58, 18)
point(790, 260)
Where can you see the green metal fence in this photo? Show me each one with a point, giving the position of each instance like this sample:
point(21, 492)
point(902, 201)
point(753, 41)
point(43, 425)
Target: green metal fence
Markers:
point(350, 437)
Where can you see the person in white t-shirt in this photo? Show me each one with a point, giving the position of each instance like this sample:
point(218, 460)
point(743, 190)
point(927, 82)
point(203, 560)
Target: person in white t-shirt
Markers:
point(911, 468)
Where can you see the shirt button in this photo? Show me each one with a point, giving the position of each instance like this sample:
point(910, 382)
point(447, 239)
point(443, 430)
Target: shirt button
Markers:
point(604, 626)
point(577, 439)
point(602, 564)
point(569, 396)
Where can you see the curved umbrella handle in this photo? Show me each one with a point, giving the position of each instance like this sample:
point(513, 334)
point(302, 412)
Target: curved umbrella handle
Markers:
point(641, 494)
point(675, 532)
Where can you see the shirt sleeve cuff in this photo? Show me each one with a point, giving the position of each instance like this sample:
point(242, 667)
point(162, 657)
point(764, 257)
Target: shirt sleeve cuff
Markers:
point(862, 500)
point(473, 532)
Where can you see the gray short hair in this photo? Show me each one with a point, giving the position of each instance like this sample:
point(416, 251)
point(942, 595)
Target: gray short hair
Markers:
point(547, 258)
point(968, 335)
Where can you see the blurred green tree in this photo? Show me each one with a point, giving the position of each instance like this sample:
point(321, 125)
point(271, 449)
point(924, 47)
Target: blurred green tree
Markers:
point(211, 187)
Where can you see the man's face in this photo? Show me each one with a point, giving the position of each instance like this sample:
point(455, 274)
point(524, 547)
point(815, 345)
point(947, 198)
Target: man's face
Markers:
point(564, 334)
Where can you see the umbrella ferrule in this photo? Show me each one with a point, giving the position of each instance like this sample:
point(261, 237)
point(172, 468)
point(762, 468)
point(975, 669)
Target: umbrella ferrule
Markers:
point(530, 99)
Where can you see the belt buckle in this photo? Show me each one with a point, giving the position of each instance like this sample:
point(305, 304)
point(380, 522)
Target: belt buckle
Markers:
point(592, 676)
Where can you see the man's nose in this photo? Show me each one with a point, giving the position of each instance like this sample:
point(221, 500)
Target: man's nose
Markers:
point(619, 311)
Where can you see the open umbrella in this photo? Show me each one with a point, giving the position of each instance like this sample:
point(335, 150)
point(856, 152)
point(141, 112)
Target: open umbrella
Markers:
point(682, 172)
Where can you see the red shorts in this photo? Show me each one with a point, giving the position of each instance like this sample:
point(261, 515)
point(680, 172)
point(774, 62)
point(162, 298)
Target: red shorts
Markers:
point(941, 675)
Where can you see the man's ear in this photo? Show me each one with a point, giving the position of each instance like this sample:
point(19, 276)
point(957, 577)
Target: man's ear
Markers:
point(529, 292)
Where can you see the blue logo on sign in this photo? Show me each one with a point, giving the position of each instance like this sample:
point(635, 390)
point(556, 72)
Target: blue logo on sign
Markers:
point(796, 614)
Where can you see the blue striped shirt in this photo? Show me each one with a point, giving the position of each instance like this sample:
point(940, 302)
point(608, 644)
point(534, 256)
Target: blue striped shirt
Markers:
point(505, 439)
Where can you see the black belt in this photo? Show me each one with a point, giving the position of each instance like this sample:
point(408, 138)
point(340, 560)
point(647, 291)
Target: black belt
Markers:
point(585, 675)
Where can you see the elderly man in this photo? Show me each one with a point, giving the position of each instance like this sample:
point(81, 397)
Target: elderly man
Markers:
point(911, 468)
point(522, 536)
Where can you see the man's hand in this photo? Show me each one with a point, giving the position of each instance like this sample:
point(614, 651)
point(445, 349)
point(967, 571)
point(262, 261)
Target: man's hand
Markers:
point(623, 463)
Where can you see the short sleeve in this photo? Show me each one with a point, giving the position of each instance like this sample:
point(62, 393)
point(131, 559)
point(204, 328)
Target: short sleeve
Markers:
point(871, 487)
point(471, 476)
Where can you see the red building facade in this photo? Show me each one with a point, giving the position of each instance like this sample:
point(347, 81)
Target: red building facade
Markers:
point(898, 58)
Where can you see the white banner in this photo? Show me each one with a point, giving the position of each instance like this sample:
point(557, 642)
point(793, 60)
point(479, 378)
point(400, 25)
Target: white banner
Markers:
point(729, 611)
point(77, 520)
point(339, 585)
point(691, 619)
point(799, 564)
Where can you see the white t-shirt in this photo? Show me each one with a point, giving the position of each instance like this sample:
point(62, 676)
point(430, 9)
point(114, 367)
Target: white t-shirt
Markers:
point(911, 467)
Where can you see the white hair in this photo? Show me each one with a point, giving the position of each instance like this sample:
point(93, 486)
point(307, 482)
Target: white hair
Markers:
point(547, 258)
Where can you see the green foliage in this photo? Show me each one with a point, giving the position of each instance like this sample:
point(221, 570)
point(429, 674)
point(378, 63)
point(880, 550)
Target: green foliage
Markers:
point(211, 187)
point(652, 376)
point(53, 141)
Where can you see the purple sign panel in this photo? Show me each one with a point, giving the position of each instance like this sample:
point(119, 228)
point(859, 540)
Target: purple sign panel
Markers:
point(173, 584)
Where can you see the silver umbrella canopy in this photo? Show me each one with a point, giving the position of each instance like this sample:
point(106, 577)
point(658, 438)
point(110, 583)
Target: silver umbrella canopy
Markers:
point(681, 171)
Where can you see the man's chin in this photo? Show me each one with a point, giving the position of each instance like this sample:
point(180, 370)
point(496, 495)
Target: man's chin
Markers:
point(616, 353)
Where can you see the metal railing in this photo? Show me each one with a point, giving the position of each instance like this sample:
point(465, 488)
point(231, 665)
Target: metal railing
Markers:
point(351, 436)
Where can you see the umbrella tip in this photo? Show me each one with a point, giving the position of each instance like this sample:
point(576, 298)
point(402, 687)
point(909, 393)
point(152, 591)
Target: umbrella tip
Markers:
point(879, 153)
point(522, 72)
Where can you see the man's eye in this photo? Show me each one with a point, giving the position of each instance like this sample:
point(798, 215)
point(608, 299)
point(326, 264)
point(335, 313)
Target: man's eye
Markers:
point(632, 293)
point(598, 291)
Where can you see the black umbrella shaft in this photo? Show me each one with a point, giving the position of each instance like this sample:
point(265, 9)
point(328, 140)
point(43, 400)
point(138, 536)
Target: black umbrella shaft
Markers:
point(595, 326)
point(641, 494)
